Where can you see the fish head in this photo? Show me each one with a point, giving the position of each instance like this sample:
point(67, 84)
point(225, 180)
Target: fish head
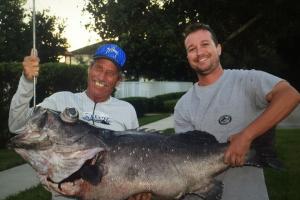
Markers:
point(54, 148)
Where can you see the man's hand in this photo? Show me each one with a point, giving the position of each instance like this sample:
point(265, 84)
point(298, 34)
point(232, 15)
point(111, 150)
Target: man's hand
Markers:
point(237, 150)
point(31, 66)
point(141, 196)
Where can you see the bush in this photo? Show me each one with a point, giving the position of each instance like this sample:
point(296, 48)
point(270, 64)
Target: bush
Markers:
point(170, 96)
point(169, 105)
point(56, 77)
point(160, 103)
point(9, 78)
point(141, 104)
point(164, 102)
point(53, 77)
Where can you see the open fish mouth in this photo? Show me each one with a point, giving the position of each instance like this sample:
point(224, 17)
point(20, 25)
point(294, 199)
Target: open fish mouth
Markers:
point(31, 145)
point(91, 172)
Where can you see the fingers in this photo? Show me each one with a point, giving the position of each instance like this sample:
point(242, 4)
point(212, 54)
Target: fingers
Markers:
point(33, 52)
point(141, 196)
point(237, 150)
point(234, 160)
point(31, 67)
point(132, 198)
point(146, 196)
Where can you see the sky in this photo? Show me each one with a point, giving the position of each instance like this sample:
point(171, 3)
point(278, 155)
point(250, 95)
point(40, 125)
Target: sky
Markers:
point(71, 12)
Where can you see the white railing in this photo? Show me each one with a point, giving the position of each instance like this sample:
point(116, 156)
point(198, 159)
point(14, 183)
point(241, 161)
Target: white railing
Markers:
point(150, 89)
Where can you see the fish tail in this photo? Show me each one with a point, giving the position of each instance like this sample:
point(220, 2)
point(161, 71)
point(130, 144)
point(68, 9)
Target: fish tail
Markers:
point(263, 153)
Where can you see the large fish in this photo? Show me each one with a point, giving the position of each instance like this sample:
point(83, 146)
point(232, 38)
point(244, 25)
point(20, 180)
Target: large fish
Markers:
point(76, 159)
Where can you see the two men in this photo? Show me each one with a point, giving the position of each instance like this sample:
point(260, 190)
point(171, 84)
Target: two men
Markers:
point(234, 105)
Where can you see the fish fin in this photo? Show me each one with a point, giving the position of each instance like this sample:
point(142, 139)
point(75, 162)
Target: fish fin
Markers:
point(213, 192)
point(91, 174)
point(195, 137)
point(263, 152)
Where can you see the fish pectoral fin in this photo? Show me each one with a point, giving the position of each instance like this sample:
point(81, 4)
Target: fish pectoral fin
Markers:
point(91, 174)
point(213, 191)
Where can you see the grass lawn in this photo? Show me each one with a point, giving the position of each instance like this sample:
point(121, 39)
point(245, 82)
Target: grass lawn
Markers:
point(8, 159)
point(282, 185)
point(152, 118)
point(34, 193)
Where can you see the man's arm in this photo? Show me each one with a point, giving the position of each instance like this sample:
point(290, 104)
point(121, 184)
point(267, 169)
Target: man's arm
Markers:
point(19, 108)
point(283, 99)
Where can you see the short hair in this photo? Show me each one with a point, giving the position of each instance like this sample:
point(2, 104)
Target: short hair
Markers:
point(191, 28)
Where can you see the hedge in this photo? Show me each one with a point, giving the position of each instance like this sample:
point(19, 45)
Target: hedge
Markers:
point(160, 103)
point(53, 77)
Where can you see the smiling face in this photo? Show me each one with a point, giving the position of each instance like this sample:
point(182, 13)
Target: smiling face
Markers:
point(103, 77)
point(202, 53)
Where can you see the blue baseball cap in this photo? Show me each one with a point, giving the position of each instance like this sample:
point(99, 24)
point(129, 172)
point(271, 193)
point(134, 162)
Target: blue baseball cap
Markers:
point(112, 52)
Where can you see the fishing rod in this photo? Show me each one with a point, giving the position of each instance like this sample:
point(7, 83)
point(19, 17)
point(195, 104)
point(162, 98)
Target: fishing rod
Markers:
point(34, 50)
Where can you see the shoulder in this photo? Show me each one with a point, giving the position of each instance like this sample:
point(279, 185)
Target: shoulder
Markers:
point(58, 98)
point(255, 82)
point(185, 98)
point(63, 94)
point(247, 73)
point(251, 76)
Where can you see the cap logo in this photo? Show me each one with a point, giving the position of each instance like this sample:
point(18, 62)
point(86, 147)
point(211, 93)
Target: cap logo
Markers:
point(112, 50)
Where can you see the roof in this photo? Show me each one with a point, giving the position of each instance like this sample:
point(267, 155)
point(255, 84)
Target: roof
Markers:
point(87, 50)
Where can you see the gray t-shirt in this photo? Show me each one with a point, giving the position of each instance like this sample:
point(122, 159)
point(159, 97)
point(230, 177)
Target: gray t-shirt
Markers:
point(225, 108)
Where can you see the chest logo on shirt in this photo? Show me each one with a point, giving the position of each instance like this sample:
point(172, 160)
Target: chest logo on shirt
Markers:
point(98, 117)
point(225, 119)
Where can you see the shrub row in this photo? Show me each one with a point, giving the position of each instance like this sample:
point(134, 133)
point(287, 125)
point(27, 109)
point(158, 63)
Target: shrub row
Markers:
point(160, 103)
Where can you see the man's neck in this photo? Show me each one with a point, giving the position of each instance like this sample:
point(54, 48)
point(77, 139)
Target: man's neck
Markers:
point(208, 79)
point(96, 99)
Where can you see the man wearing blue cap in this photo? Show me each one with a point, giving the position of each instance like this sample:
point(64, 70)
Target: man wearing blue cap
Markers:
point(95, 105)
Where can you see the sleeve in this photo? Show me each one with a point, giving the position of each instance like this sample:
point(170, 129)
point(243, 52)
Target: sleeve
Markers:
point(19, 110)
point(260, 84)
point(181, 121)
point(51, 102)
point(134, 120)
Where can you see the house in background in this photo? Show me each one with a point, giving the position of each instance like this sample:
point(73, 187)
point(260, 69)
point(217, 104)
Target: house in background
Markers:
point(83, 55)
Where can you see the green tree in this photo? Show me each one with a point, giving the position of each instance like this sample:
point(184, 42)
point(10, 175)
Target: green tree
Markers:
point(148, 34)
point(11, 30)
point(254, 33)
point(16, 33)
point(50, 42)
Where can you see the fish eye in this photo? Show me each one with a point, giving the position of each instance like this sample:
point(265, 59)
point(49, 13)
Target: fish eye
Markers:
point(69, 115)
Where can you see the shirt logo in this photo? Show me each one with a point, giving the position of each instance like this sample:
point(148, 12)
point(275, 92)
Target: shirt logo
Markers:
point(225, 119)
point(96, 118)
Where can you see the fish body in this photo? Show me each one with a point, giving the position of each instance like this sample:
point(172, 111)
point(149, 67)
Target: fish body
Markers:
point(83, 161)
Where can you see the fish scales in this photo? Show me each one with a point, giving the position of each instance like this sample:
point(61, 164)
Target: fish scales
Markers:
point(79, 160)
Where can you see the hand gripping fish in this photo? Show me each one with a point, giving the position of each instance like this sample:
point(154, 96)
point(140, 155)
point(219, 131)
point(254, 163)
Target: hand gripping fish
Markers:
point(78, 160)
